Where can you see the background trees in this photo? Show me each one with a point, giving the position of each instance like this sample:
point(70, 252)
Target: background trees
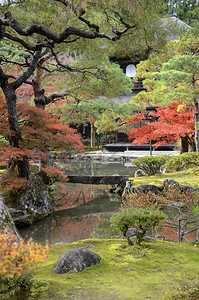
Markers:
point(186, 10)
point(167, 125)
point(57, 27)
point(172, 76)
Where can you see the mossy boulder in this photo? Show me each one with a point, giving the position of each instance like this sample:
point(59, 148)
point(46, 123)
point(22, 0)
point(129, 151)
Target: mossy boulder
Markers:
point(34, 199)
point(6, 220)
point(76, 260)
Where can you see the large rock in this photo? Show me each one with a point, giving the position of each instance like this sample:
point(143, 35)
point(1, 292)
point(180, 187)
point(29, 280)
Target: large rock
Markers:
point(171, 183)
point(6, 220)
point(76, 260)
point(189, 188)
point(34, 199)
point(146, 188)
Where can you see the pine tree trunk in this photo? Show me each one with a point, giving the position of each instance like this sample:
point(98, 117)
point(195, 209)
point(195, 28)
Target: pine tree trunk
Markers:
point(11, 100)
point(10, 96)
point(195, 100)
point(196, 125)
point(39, 97)
point(92, 135)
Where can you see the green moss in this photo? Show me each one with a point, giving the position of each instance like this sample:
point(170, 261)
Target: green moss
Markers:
point(182, 177)
point(151, 271)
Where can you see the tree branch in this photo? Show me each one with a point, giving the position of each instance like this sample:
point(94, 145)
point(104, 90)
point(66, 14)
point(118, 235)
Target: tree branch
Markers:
point(23, 43)
point(15, 77)
point(26, 74)
point(9, 20)
point(54, 96)
point(4, 59)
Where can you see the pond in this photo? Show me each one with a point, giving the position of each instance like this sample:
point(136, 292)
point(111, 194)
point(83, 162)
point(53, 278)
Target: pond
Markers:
point(84, 210)
point(81, 207)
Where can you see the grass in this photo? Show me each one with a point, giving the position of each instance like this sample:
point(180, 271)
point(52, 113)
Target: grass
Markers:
point(184, 178)
point(155, 270)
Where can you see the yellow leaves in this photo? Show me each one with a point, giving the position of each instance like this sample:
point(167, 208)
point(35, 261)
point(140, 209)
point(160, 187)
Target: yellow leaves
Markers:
point(180, 107)
point(17, 258)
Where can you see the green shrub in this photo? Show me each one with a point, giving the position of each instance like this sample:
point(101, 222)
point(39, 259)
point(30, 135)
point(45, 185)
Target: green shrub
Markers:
point(183, 161)
point(150, 165)
point(142, 218)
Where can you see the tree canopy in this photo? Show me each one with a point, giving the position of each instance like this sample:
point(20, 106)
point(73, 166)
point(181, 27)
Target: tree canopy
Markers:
point(60, 29)
point(172, 75)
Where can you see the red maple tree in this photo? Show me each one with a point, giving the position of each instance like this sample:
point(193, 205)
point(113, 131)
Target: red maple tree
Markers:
point(40, 132)
point(166, 125)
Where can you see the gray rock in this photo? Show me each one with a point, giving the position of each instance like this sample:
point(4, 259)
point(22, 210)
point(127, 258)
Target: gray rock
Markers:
point(145, 188)
point(76, 260)
point(139, 173)
point(35, 199)
point(191, 188)
point(6, 220)
point(131, 232)
point(171, 183)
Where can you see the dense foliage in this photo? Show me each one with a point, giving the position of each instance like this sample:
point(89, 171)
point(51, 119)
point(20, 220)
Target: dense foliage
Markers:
point(41, 133)
point(18, 260)
point(165, 125)
point(150, 165)
point(73, 39)
point(183, 162)
point(142, 218)
point(172, 76)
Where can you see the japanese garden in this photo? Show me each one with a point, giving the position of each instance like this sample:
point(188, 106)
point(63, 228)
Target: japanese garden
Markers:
point(99, 149)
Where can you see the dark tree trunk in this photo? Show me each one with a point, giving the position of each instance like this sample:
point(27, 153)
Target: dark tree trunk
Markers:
point(196, 125)
point(40, 99)
point(92, 134)
point(184, 145)
point(11, 100)
point(23, 168)
point(192, 145)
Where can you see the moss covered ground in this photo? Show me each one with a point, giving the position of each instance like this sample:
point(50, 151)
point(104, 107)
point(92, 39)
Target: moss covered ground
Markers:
point(154, 270)
point(184, 178)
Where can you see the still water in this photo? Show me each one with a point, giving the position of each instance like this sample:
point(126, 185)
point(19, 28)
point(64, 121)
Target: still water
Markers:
point(84, 210)
point(81, 210)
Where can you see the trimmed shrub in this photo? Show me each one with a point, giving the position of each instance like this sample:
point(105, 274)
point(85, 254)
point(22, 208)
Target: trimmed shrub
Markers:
point(183, 161)
point(150, 165)
point(142, 218)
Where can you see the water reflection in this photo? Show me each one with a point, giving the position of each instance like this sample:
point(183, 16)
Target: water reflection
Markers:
point(89, 167)
point(84, 210)
point(77, 213)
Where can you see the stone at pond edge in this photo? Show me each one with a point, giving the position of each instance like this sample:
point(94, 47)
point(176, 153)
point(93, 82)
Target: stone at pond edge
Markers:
point(34, 199)
point(146, 188)
point(76, 260)
point(171, 183)
point(6, 220)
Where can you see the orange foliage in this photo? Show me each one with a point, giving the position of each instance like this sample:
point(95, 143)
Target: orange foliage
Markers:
point(55, 174)
point(18, 258)
point(39, 130)
point(173, 122)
